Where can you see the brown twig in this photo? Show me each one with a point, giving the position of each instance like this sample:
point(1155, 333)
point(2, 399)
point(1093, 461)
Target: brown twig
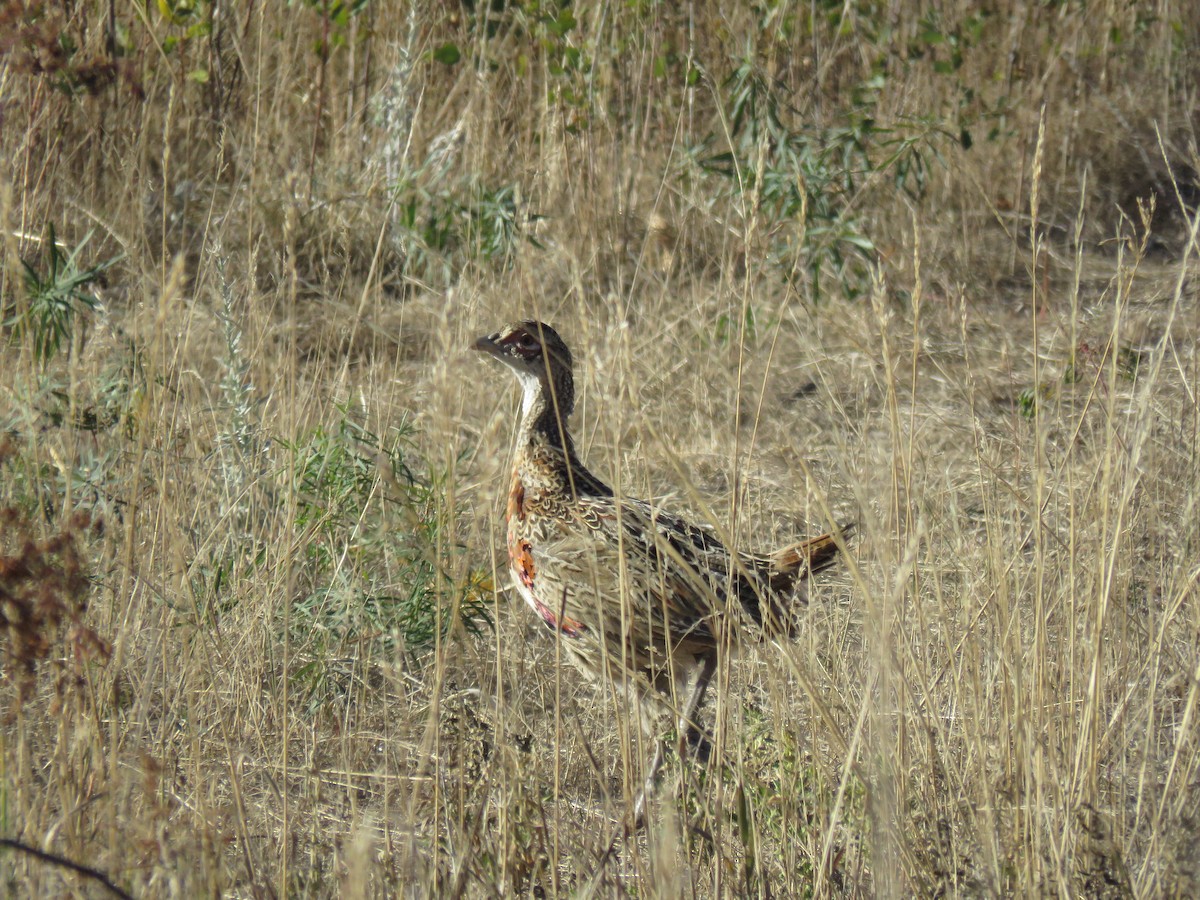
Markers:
point(54, 859)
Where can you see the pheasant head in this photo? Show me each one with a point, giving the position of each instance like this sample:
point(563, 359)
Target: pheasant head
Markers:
point(542, 363)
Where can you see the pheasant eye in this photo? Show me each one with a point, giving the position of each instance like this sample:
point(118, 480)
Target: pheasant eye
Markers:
point(526, 343)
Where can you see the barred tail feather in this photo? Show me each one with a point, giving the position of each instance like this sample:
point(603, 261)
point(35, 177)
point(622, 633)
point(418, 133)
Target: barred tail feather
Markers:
point(797, 562)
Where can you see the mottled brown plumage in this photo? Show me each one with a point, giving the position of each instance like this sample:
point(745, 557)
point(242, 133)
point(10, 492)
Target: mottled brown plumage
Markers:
point(637, 595)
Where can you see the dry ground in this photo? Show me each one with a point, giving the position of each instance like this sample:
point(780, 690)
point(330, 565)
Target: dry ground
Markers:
point(929, 269)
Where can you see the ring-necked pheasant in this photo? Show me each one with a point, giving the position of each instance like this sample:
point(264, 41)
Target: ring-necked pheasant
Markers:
point(636, 594)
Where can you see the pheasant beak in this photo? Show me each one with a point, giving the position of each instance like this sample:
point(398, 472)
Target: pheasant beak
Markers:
point(487, 344)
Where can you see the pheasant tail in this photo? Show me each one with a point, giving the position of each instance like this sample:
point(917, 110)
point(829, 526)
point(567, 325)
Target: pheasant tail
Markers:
point(797, 562)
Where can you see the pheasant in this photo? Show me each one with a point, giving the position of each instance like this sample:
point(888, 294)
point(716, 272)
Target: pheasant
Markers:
point(634, 594)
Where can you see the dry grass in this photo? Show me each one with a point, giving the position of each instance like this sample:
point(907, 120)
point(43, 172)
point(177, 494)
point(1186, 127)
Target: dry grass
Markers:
point(266, 667)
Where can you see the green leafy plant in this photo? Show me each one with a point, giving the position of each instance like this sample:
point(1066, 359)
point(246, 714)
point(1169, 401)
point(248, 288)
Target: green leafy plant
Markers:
point(188, 21)
point(727, 328)
point(548, 29)
point(335, 19)
point(443, 229)
point(1086, 365)
point(380, 553)
point(57, 289)
point(809, 180)
point(806, 181)
point(1027, 403)
point(780, 802)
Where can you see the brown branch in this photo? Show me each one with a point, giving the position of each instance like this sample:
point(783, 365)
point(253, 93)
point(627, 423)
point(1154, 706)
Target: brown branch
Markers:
point(94, 874)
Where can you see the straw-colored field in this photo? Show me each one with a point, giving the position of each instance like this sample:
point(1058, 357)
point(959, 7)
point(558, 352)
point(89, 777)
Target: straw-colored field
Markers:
point(930, 270)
